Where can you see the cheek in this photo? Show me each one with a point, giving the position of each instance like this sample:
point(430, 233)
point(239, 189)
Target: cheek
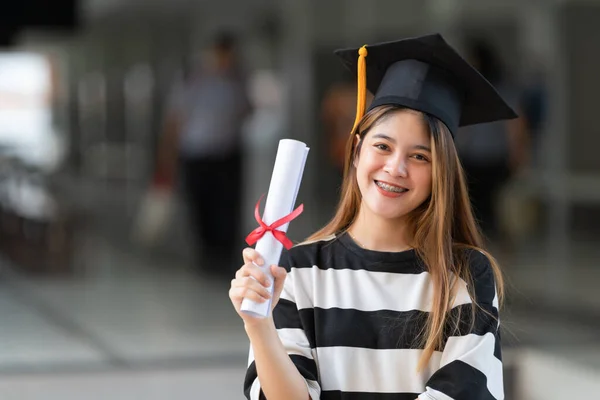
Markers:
point(365, 165)
point(424, 179)
point(372, 161)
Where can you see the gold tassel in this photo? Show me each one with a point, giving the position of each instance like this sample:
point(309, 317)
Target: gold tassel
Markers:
point(361, 94)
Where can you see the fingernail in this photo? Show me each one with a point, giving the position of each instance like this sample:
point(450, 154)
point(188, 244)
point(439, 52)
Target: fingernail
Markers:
point(260, 261)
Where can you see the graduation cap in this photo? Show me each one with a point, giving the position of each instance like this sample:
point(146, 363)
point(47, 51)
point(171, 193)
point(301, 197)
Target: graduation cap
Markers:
point(425, 74)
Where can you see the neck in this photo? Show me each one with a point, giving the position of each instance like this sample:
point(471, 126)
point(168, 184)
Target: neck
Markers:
point(380, 234)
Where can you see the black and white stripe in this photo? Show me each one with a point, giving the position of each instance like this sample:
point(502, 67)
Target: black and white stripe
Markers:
point(351, 321)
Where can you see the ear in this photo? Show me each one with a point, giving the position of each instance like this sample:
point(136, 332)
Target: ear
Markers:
point(356, 141)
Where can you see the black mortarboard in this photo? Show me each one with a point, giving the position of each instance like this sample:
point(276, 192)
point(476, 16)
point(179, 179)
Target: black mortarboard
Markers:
point(425, 74)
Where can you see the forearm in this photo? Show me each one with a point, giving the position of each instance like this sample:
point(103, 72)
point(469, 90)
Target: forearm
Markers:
point(279, 378)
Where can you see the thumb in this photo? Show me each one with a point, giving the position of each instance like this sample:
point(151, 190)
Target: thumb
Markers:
point(279, 275)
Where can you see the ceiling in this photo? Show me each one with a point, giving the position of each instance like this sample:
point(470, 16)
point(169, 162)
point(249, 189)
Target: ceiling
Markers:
point(68, 16)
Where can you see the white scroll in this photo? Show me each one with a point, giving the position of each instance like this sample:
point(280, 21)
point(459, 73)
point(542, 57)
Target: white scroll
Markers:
point(281, 198)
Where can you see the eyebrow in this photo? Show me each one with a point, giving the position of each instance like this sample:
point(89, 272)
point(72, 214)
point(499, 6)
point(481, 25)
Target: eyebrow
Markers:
point(391, 139)
point(421, 147)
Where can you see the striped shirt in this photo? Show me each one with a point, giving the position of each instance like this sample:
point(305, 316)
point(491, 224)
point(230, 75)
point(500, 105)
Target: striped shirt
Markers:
point(350, 320)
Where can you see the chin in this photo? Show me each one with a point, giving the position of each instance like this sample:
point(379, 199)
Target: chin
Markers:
point(388, 213)
point(391, 211)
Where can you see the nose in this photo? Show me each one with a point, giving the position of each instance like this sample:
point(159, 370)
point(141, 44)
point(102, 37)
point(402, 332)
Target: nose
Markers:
point(396, 166)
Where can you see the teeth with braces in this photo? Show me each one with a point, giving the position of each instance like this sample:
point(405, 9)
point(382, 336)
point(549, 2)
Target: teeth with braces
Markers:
point(390, 188)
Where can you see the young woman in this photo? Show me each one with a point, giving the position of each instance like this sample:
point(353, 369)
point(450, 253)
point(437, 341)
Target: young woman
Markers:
point(394, 298)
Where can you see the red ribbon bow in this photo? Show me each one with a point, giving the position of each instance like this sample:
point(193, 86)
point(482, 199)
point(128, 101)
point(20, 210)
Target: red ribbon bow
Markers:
point(264, 228)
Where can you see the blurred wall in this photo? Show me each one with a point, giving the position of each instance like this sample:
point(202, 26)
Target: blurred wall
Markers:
point(149, 42)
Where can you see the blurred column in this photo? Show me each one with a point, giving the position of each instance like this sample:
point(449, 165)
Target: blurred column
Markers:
point(296, 60)
point(138, 91)
point(576, 29)
point(544, 21)
point(542, 40)
point(91, 99)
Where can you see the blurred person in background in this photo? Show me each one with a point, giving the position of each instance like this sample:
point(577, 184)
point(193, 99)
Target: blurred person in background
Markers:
point(492, 153)
point(203, 137)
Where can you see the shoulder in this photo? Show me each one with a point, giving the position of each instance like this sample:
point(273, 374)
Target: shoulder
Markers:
point(480, 274)
point(307, 254)
point(478, 261)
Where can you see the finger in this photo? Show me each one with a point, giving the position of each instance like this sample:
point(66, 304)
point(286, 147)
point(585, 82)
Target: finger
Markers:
point(255, 272)
point(279, 274)
point(245, 270)
point(251, 284)
point(239, 293)
point(239, 274)
point(251, 255)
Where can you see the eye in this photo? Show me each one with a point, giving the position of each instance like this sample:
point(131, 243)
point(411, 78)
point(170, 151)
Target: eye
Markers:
point(382, 146)
point(420, 157)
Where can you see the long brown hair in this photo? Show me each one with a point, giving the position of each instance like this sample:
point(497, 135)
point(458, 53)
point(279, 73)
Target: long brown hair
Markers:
point(442, 227)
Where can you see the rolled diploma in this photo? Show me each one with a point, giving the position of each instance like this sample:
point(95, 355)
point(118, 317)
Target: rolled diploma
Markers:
point(283, 190)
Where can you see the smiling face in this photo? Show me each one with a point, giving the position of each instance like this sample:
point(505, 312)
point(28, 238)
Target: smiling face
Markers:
point(394, 165)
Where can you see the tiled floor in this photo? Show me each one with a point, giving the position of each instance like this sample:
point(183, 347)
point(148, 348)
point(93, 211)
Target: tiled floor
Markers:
point(143, 313)
point(30, 340)
point(125, 329)
point(549, 375)
point(159, 384)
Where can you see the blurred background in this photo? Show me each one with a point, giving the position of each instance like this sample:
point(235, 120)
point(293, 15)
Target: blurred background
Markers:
point(136, 137)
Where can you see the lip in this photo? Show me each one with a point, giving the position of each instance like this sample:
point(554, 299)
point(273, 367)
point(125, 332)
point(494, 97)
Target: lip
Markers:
point(390, 183)
point(389, 194)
